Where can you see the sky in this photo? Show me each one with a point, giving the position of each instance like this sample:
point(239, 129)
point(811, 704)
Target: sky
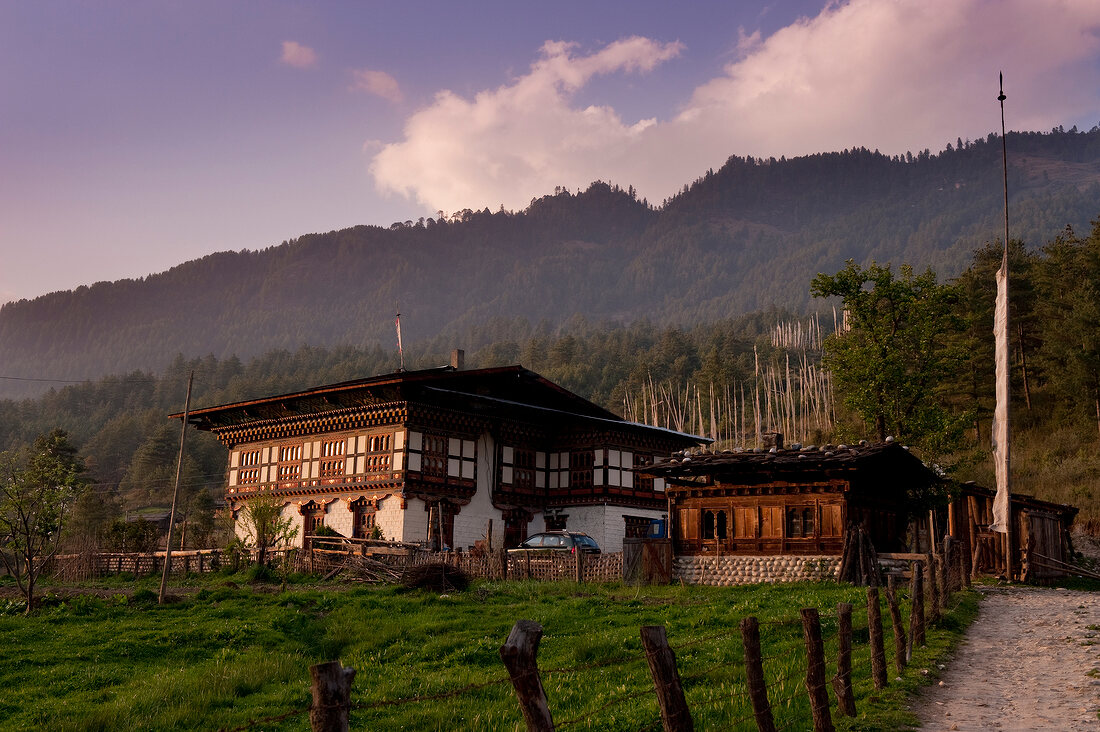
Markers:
point(136, 136)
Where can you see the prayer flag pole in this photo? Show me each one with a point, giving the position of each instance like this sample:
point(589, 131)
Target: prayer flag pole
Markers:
point(1002, 509)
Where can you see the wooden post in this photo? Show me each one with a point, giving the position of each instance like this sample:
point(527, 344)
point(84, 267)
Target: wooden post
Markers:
point(931, 580)
point(489, 537)
point(842, 682)
point(527, 565)
point(754, 675)
point(878, 651)
point(948, 569)
point(675, 715)
point(895, 620)
point(331, 689)
point(815, 670)
point(503, 564)
point(972, 521)
point(201, 561)
point(579, 565)
point(916, 607)
point(175, 496)
point(520, 656)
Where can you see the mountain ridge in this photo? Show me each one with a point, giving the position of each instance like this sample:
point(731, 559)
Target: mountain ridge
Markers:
point(747, 236)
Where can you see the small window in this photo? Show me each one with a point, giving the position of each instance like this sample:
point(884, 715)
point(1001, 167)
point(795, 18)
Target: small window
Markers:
point(332, 448)
point(800, 522)
point(708, 524)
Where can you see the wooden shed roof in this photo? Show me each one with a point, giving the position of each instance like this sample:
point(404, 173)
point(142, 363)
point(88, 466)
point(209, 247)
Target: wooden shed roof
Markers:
point(731, 466)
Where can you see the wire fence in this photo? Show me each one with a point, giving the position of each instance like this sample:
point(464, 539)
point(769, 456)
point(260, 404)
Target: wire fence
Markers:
point(760, 675)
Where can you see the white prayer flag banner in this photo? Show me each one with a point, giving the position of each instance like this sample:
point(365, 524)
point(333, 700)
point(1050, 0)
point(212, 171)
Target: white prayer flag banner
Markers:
point(1000, 413)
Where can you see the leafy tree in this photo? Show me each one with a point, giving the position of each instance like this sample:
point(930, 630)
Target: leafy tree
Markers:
point(892, 359)
point(37, 489)
point(140, 535)
point(91, 516)
point(264, 526)
point(1071, 298)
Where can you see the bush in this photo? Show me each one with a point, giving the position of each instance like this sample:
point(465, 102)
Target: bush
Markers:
point(261, 573)
point(144, 596)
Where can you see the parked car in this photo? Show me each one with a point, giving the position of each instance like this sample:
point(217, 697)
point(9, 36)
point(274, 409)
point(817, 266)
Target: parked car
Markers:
point(559, 541)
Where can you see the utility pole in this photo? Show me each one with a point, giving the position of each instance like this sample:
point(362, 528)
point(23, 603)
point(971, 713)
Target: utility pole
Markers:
point(175, 493)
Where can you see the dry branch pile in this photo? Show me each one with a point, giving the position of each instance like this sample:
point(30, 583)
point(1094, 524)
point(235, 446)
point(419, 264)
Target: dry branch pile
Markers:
point(438, 577)
point(366, 569)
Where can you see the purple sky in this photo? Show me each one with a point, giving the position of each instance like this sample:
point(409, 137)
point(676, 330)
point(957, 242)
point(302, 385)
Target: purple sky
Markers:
point(135, 136)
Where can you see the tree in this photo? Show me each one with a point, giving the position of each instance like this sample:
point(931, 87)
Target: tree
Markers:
point(893, 357)
point(1070, 285)
point(38, 486)
point(264, 525)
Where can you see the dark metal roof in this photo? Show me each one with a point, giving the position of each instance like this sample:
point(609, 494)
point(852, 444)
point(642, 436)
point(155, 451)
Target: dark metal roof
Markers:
point(788, 463)
point(499, 391)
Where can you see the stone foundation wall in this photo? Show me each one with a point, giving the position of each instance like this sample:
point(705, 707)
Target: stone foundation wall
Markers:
point(742, 570)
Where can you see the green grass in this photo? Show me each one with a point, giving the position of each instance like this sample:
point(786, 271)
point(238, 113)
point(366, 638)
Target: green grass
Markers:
point(228, 652)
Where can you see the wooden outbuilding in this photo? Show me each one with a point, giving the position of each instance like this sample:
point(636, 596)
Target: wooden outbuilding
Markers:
point(793, 501)
point(1041, 545)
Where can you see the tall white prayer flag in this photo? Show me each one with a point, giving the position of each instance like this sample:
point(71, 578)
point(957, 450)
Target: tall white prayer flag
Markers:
point(1000, 413)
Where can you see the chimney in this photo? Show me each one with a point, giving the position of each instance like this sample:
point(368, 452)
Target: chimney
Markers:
point(458, 359)
point(772, 439)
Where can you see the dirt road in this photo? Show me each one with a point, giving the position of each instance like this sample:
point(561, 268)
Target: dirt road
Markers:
point(1031, 661)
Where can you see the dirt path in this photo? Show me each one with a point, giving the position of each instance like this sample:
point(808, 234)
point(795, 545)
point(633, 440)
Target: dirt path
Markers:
point(1025, 665)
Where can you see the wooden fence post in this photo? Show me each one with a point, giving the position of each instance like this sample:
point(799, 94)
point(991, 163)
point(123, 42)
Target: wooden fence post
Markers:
point(504, 565)
point(675, 715)
point(931, 579)
point(895, 620)
point(520, 656)
point(331, 689)
point(815, 670)
point(948, 569)
point(754, 675)
point(842, 682)
point(916, 608)
point(878, 651)
point(579, 565)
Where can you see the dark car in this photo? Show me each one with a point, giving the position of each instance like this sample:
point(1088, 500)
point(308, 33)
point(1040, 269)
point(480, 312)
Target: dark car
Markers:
point(559, 541)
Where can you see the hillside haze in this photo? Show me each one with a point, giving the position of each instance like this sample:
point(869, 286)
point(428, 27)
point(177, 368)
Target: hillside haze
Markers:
point(748, 235)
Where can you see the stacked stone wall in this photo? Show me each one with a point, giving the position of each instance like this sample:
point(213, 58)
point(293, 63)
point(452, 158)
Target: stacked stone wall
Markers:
point(746, 570)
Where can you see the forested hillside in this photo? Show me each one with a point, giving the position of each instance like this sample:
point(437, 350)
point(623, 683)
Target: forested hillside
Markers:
point(729, 379)
point(747, 236)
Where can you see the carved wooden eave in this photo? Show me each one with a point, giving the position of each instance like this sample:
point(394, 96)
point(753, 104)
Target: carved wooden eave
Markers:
point(312, 488)
point(300, 425)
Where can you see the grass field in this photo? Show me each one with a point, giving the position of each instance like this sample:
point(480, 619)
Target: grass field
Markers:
point(229, 652)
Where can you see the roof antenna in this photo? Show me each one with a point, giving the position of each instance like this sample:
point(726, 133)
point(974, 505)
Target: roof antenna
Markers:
point(397, 323)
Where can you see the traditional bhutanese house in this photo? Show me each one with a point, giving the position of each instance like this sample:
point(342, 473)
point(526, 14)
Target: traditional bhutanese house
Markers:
point(442, 452)
point(758, 510)
point(1041, 544)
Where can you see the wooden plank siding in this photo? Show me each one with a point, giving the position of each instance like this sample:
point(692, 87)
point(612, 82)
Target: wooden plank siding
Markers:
point(784, 524)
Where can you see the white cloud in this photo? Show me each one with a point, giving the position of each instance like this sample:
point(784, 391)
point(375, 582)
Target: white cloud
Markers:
point(298, 56)
point(378, 83)
point(896, 76)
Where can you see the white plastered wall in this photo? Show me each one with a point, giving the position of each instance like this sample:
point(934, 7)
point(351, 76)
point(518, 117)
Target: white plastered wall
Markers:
point(473, 518)
point(390, 518)
point(338, 517)
point(288, 511)
point(605, 524)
